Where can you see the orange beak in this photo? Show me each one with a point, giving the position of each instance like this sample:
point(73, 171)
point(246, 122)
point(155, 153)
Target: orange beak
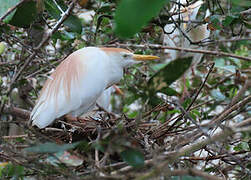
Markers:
point(139, 57)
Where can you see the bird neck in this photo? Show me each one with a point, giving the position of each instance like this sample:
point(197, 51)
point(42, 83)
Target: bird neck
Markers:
point(115, 72)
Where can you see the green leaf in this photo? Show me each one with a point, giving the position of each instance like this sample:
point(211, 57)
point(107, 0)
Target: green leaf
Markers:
point(11, 170)
point(157, 67)
point(215, 21)
point(5, 5)
point(99, 145)
point(220, 63)
point(132, 15)
point(217, 95)
point(2, 47)
point(233, 92)
point(73, 22)
point(227, 21)
point(133, 114)
point(24, 15)
point(133, 157)
point(63, 35)
point(51, 147)
point(241, 146)
point(243, 3)
point(161, 81)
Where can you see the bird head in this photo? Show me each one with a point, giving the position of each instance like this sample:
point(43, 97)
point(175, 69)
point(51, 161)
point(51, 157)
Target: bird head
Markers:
point(127, 58)
point(130, 58)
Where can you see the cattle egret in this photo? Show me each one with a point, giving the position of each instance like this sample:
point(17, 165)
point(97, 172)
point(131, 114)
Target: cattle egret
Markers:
point(77, 83)
point(104, 102)
point(174, 36)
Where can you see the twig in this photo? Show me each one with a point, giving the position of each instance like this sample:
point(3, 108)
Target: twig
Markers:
point(228, 40)
point(16, 136)
point(177, 26)
point(213, 157)
point(246, 12)
point(240, 93)
point(55, 2)
point(158, 46)
point(186, 115)
point(199, 90)
point(221, 81)
point(57, 25)
point(222, 116)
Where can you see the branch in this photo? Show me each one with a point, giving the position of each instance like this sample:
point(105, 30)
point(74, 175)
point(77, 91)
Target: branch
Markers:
point(222, 116)
point(22, 113)
point(194, 158)
point(246, 12)
point(158, 46)
point(228, 40)
point(242, 91)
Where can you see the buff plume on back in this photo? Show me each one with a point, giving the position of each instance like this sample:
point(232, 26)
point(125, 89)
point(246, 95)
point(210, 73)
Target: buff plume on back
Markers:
point(50, 100)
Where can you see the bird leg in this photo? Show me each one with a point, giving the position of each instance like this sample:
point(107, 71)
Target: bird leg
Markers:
point(72, 119)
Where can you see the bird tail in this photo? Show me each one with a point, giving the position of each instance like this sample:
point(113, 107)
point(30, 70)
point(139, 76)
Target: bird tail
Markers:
point(41, 115)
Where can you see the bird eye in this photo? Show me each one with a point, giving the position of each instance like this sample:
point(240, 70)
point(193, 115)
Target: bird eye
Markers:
point(125, 55)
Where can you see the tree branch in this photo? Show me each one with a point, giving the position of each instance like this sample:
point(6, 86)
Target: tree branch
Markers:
point(158, 46)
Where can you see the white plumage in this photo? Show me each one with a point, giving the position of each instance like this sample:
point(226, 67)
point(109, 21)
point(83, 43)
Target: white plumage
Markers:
point(79, 81)
point(105, 98)
point(174, 36)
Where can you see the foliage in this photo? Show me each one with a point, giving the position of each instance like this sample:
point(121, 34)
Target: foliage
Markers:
point(167, 107)
point(142, 11)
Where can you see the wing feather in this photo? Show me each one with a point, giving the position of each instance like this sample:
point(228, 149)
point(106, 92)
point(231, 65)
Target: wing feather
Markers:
point(73, 87)
point(59, 85)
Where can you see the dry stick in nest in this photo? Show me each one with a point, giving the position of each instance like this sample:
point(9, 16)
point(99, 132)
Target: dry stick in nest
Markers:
point(173, 156)
point(222, 127)
point(221, 118)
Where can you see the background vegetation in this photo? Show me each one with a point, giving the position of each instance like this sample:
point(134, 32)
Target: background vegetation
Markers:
point(161, 127)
